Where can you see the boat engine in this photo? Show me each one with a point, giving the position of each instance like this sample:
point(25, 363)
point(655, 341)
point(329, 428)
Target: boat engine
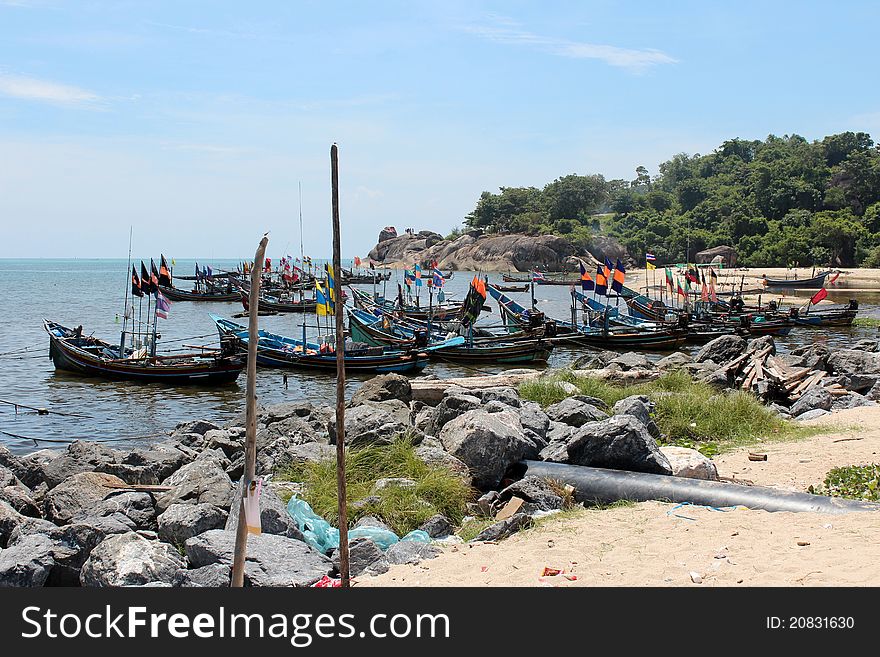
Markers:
point(794, 312)
point(853, 304)
point(227, 345)
point(550, 329)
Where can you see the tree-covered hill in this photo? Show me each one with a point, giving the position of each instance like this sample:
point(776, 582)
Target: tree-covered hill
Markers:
point(780, 201)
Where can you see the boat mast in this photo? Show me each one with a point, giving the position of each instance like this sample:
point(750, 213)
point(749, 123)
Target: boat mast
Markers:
point(127, 286)
point(302, 259)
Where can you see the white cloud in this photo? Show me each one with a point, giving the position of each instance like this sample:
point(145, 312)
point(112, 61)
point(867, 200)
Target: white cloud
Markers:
point(25, 88)
point(507, 32)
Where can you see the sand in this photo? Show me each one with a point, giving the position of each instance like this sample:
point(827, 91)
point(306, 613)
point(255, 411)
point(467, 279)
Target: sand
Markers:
point(659, 544)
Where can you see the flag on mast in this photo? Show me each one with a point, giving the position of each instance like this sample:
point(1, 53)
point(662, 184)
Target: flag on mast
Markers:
point(601, 281)
point(164, 272)
point(618, 277)
point(135, 283)
point(586, 279)
point(163, 305)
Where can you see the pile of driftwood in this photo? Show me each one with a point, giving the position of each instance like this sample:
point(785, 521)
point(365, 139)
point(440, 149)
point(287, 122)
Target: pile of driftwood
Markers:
point(770, 378)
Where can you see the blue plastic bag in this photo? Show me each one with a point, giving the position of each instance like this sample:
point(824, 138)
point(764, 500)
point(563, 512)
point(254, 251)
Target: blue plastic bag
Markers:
point(317, 531)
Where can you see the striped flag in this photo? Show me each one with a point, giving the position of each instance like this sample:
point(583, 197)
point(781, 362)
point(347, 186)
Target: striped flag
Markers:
point(618, 277)
point(438, 278)
point(418, 271)
point(601, 281)
point(537, 276)
point(586, 280)
point(650, 257)
point(163, 305)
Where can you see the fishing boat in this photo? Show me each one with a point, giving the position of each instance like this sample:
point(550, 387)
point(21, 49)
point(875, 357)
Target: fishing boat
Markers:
point(813, 283)
point(350, 277)
point(71, 351)
point(278, 304)
point(827, 316)
point(512, 288)
point(383, 331)
point(438, 311)
point(213, 294)
point(279, 351)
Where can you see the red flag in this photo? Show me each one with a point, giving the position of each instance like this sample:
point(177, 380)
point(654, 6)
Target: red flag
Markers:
point(821, 294)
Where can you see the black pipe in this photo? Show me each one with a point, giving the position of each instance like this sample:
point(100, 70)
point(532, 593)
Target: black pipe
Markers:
point(602, 486)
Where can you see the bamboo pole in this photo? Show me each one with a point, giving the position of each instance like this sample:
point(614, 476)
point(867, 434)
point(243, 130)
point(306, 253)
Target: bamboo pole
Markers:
point(341, 495)
point(250, 452)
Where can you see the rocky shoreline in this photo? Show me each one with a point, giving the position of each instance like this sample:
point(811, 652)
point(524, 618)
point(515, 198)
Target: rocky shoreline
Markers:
point(162, 515)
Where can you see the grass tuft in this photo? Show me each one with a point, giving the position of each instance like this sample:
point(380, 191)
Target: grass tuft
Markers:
point(437, 489)
point(867, 322)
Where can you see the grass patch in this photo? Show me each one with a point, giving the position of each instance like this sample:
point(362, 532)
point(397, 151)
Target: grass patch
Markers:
point(867, 322)
point(437, 490)
point(689, 413)
point(854, 482)
point(472, 528)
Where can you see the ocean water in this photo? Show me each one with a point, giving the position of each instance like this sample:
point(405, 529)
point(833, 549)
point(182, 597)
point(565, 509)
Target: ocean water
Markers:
point(91, 293)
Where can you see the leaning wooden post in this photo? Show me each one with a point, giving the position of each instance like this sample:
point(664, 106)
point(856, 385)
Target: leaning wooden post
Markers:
point(341, 495)
point(250, 449)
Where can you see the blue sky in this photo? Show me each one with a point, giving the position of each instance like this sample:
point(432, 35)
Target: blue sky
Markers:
point(195, 121)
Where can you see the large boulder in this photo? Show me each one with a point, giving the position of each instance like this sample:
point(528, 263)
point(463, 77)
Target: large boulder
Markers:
point(536, 492)
point(506, 395)
point(641, 407)
point(284, 410)
point(438, 458)
point(450, 407)
point(410, 552)
point(10, 519)
point(138, 508)
point(690, 463)
point(28, 563)
point(504, 528)
point(534, 420)
point(204, 481)
point(215, 575)
point(373, 423)
point(80, 456)
point(383, 388)
point(853, 361)
point(272, 560)
point(813, 397)
point(437, 526)
point(19, 498)
point(182, 521)
point(487, 443)
point(674, 361)
point(199, 427)
point(274, 518)
point(632, 360)
point(722, 349)
point(131, 560)
point(364, 558)
point(79, 493)
point(620, 443)
point(574, 411)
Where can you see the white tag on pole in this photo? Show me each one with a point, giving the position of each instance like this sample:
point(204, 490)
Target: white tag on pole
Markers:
point(252, 507)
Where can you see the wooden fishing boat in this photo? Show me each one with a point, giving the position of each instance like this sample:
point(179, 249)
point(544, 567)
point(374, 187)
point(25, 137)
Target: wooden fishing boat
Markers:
point(350, 277)
point(438, 312)
point(612, 338)
point(382, 331)
point(828, 316)
point(813, 283)
point(279, 351)
point(71, 351)
point(512, 288)
point(176, 294)
point(276, 304)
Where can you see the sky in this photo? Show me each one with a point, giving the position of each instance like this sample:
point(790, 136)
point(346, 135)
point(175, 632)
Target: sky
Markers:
point(195, 123)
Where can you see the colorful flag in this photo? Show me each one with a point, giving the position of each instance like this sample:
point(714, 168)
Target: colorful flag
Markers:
point(586, 280)
point(163, 305)
point(619, 277)
point(537, 276)
point(609, 267)
point(669, 279)
point(408, 277)
point(680, 291)
point(418, 271)
point(438, 278)
point(268, 265)
point(145, 279)
point(210, 274)
point(601, 281)
point(713, 279)
point(834, 278)
point(704, 289)
point(650, 265)
point(135, 283)
point(154, 277)
point(164, 273)
point(650, 257)
point(821, 294)
point(199, 273)
point(331, 283)
point(357, 261)
point(322, 306)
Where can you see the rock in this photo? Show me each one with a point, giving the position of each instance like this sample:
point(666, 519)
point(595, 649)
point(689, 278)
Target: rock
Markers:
point(640, 407)
point(559, 432)
point(10, 519)
point(274, 518)
point(719, 377)
point(309, 452)
point(758, 344)
point(30, 469)
point(388, 482)
point(368, 501)
point(852, 400)
point(437, 526)
point(594, 361)
point(860, 383)
point(137, 507)
point(387, 233)
point(574, 412)
point(294, 430)
point(278, 412)
point(488, 444)
point(721, 350)
point(131, 560)
point(689, 463)
point(79, 493)
point(442, 459)
point(372, 521)
point(228, 441)
point(182, 521)
point(853, 361)
point(567, 388)
point(199, 427)
point(8, 478)
point(364, 557)
point(215, 575)
point(80, 456)
point(504, 394)
point(632, 360)
point(11, 463)
point(383, 388)
point(814, 397)
point(537, 493)
point(18, 498)
point(423, 419)
point(874, 393)
point(674, 361)
point(866, 345)
point(373, 423)
point(620, 443)
point(534, 420)
point(272, 560)
point(504, 528)
point(811, 415)
point(410, 552)
point(28, 563)
point(450, 407)
point(204, 481)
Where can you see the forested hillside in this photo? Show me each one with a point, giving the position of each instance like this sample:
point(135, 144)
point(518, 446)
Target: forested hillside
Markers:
point(780, 201)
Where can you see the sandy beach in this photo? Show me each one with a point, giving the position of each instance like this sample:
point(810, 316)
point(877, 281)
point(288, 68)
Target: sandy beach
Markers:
point(659, 544)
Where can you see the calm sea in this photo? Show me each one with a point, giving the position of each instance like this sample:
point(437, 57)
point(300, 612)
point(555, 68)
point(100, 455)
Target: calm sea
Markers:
point(91, 293)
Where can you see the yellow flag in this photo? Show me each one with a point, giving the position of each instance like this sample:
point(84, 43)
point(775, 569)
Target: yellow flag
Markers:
point(650, 265)
point(323, 303)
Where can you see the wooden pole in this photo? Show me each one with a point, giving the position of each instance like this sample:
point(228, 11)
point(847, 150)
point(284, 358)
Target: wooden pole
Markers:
point(341, 495)
point(250, 450)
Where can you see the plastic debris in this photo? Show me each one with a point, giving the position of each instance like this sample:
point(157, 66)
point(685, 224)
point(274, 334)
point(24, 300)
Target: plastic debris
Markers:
point(327, 582)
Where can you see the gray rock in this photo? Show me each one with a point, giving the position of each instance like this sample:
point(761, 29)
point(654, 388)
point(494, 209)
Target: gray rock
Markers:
point(559, 432)
point(536, 492)
point(866, 345)
point(228, 441)
point(594, 361)
point(437, 526)
point(182, 521)
point(640, 407)
point(758, 344)
point(410, 552)
point(620, 443)
point(274, 518)
point(721, 350)
point(715, 377)
point(574, 412)
point(8, 478)
point(371, 521)
point(689, 463)
point(26, 473)
point(632, 360)
point(383, 388)
point(79, 493)
point(296, 430)
point(28, 563)
point(811, 415)
point(504, 528)
point(282, 411)
point(80, 456)
point(488, 444)
point(852, 400)
point(200, 427)
point(364, 557)
point(450, 407)
point(137, 507)
point(814, 397)
point(373, 423)
point(504, 394)
point(18, 497)
point(392, 482)
point(874, 393)
point(853, 361)
point(423, 418)
point(309, 452)
point(131, 560)
point(495, 407)
point(204, 481)
point(10, 519)
point(674, 361)
point(272, 560)
point(534, 420)
point(860, 383)
point(442, 459)
point(215, 575)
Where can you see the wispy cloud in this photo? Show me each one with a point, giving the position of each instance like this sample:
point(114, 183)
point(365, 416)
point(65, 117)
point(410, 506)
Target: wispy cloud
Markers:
point(26, 88)
point(505, 31)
